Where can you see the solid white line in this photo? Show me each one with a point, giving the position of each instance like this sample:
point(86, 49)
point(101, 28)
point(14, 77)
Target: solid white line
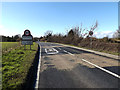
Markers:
point(38, 71)
point(68, 52)
point(102, 68)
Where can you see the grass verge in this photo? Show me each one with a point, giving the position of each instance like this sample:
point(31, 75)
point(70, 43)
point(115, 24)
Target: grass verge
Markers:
point(16, 65)
point(8, 46)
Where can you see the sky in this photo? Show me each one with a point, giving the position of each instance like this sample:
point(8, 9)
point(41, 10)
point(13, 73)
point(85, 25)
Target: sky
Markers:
point(58, 17)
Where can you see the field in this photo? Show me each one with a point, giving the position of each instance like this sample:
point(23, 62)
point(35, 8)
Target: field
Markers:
point(7, 46)
point(16, 64)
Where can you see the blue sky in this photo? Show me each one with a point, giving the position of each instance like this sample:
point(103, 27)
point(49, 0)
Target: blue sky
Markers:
point(39, 17)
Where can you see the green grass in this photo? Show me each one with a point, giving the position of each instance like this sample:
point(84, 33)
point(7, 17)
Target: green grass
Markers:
point(7, 46)
point(15, 66)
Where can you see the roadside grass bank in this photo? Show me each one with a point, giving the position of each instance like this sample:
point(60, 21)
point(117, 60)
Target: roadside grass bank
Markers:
point(16, 65)
point(101, 50)
point(106, 47)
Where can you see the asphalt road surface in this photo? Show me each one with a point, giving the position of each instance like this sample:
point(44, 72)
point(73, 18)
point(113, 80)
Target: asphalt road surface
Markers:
point(67, 67)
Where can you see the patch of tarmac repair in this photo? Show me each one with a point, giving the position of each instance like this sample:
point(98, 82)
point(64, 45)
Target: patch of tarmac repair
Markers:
point(72, 60)
point(47, 58)
point(47, 63)
point(50, 66)
point(103, 62)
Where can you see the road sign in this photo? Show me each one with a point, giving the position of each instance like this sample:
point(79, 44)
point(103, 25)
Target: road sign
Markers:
point(90, 33)
point(27, 38)
point(27, 33)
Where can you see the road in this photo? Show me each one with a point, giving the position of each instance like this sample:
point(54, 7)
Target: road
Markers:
point(67, 67)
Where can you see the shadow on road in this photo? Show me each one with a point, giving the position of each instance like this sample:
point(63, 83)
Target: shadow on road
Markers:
point(114, 69)
point(79, 77)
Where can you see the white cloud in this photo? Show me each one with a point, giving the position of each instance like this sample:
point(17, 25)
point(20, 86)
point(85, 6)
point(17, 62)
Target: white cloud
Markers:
point(104, 34)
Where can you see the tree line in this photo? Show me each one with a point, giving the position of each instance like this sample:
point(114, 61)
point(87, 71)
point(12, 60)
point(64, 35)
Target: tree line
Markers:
point(77, 35)
point(15, 38)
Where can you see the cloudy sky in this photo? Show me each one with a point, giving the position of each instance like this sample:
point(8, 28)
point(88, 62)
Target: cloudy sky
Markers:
point(39, 17)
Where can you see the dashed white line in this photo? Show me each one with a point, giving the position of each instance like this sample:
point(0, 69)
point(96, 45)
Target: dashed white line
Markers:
point(59, 48)
point(102, 69)
point(38, 71)
point(68, 52)
point(65, 51)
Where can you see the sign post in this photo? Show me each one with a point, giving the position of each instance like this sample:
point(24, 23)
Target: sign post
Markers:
point(30, 47)
point(24, 47)
point(27, 39)
point(91, 33)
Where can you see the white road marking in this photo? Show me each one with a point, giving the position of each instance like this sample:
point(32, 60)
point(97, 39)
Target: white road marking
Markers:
point(45, 50)
point(68, 52)
point(102, 69)
point(55, 50)
point(38, 71)
point(59, 48)
point(52, 49)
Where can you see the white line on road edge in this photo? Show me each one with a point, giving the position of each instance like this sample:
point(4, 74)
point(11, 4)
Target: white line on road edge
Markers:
point(68, 52)
point(102, 69)
point(38, 71)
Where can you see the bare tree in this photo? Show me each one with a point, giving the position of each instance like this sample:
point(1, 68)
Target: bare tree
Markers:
point(93, 28)
point(48, 33)
point(117, 34)
point(17, 37)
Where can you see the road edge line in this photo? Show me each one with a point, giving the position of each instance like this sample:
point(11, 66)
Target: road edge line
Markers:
point(102, 69)
point(38, 71)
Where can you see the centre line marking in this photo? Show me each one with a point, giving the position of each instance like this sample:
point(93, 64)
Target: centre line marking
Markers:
point(102, 69)
point(68, 52)
point(59, 48)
